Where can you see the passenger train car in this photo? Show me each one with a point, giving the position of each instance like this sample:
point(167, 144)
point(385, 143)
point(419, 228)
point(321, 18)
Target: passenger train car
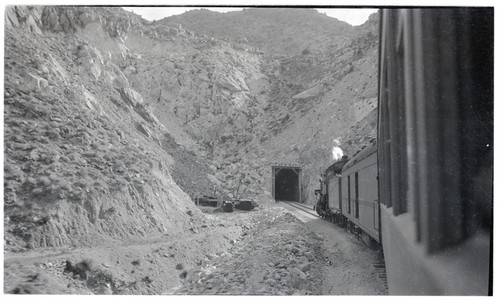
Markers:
point(424, 192)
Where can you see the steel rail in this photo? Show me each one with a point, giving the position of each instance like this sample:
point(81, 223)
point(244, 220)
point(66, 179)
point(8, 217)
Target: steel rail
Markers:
point(302, 208)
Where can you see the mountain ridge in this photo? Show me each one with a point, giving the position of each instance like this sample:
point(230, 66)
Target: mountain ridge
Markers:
point(274, 30)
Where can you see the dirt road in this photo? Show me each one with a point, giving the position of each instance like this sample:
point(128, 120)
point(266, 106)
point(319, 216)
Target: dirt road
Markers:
point(272, 250)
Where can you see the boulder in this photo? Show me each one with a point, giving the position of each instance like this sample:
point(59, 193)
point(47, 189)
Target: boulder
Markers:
point(130, 96)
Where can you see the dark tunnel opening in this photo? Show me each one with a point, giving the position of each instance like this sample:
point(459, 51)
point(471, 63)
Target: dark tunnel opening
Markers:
point(286, 185)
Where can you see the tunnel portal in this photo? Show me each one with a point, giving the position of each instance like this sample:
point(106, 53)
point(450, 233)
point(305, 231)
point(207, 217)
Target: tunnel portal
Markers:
point(286, 183)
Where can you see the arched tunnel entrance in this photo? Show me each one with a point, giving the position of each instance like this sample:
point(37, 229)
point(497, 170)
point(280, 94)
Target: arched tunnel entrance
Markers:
point(286, 183)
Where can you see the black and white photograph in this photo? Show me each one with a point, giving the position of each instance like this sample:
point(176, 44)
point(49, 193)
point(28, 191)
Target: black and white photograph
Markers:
point(248, 149)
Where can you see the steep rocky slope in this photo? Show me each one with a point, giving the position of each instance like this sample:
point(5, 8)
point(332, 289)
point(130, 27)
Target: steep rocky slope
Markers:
point(86, 159)
point(114, 124)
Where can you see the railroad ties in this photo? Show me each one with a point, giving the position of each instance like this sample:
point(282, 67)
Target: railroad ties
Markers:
point(380, 270)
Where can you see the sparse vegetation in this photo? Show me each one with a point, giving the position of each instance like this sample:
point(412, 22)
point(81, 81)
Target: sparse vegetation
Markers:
point(81, 269)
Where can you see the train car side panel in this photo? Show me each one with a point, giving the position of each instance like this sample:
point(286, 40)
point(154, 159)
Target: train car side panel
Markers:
point(361, 178)
point(368, 197)
point(407, 275)
point(345, 196)
point(412, 271)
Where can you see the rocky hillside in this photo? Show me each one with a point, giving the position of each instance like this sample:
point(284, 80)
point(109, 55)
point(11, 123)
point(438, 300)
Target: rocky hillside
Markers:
point(113, 124)
point(273, 30)
point(86, 158)
point(308, 98)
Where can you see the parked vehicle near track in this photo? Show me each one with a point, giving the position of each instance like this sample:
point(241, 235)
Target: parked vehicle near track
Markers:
point(227, 206)
point(245, 204)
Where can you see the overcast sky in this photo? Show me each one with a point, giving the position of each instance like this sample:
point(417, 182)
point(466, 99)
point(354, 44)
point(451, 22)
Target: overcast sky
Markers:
point(351, 16)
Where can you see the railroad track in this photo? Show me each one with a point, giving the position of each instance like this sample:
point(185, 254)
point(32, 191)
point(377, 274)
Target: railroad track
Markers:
point(380, 270)
point(302, 208)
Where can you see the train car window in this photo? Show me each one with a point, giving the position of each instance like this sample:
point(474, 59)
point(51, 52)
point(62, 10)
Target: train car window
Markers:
point(356, 196)
point(396, 116)
point(349, 194)
point(413, 129)
point(383, 124)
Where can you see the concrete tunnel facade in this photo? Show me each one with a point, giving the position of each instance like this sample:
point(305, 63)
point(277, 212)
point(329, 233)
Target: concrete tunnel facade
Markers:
point(287, 183)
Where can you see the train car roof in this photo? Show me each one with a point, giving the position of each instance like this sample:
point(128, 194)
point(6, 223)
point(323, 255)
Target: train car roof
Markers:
point(336, 167)
point(365, 152)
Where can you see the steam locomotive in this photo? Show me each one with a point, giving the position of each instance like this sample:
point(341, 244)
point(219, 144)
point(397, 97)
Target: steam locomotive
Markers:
point(424, 191)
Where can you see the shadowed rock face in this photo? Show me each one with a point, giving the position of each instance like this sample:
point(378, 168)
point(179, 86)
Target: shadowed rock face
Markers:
point(112, 123)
